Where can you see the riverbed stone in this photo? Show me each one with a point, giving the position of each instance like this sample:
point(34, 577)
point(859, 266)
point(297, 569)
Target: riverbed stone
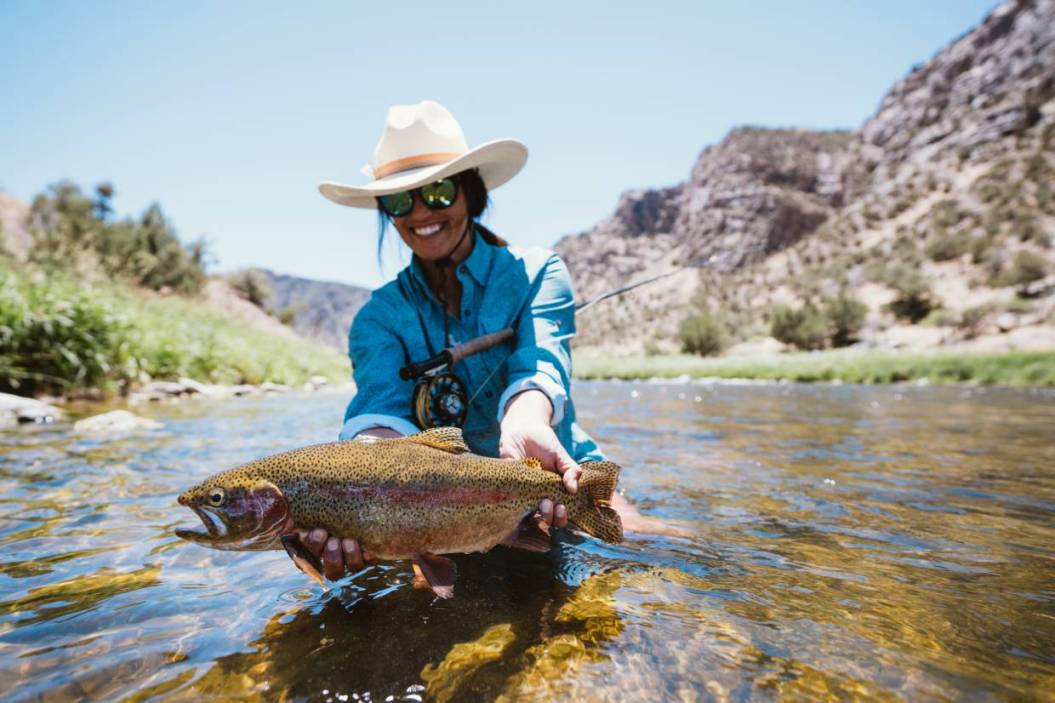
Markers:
point(114, 421)
point(17, 410)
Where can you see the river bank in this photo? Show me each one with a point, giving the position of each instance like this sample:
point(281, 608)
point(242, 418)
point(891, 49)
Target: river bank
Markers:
point(1034, 368)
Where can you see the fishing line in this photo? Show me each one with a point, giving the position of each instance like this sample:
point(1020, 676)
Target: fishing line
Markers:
point(440, 399)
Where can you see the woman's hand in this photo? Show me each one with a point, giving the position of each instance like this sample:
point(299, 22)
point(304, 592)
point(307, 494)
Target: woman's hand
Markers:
point(337, 555)
point(526, 432)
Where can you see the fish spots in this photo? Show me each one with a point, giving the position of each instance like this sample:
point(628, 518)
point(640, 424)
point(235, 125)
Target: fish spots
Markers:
point(400, 497)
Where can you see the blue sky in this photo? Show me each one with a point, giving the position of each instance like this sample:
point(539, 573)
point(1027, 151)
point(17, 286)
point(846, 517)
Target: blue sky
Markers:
point(230, 113)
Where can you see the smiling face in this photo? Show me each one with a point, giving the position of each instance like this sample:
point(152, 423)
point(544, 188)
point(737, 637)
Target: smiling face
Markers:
point(432, 234)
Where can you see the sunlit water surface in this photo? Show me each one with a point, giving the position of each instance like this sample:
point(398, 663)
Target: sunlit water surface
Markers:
point(846, 542)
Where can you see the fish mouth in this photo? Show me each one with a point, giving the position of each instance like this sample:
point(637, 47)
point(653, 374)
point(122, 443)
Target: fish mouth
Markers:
point(216, 534)
point(215, 530)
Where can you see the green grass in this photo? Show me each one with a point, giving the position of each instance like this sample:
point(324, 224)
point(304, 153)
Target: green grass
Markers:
point(58, 334)
point(850, 366)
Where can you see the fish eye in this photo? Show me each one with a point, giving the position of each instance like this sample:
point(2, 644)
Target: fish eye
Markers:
point(217, 497)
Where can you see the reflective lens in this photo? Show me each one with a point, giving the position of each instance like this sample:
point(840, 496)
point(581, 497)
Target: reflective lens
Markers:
point(436, 196)
point(397, 204)
point(439, 195)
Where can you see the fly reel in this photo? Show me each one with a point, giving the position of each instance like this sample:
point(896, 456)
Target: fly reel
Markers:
point(439, 400)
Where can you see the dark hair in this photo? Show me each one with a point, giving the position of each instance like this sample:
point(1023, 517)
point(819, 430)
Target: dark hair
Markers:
point(471, 187)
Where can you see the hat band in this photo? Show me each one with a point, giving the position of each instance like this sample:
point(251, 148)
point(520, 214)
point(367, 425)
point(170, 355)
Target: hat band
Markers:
point(432, 159)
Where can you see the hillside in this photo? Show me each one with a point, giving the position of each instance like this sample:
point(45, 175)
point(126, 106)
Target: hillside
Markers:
point(92, 304)
point(937, 214)
point(321, 310)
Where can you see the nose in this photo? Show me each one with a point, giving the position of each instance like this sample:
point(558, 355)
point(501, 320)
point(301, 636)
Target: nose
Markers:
point(182, 500)
point(419, 210)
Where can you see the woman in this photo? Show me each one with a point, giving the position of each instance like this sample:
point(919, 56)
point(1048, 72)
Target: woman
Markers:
point(463, 282)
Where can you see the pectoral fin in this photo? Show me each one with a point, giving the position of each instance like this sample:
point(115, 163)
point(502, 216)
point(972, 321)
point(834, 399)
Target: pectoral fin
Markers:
point(303, 558)
point(439, 572)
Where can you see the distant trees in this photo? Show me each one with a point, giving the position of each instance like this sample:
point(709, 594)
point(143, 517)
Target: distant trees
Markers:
point(74, 232)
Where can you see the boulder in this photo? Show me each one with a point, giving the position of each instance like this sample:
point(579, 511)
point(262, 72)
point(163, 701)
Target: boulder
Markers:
point(16, 410)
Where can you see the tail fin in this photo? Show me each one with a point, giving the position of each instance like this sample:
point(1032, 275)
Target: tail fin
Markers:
point(592, 510)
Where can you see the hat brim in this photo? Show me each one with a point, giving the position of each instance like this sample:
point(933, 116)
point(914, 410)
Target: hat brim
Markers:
point(498, 161)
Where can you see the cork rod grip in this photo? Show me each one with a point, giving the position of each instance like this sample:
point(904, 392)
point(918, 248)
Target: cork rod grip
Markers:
point(479, 344)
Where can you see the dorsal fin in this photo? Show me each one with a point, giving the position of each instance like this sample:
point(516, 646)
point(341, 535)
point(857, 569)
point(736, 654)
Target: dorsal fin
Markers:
point(447, 439)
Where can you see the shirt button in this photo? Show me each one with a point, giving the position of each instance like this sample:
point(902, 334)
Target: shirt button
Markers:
point(489, 394)
point(468, 312)
point(463, 269)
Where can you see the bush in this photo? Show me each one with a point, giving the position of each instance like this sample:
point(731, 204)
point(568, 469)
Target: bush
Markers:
point(55, 337)
point(946, 247)
point(805, 328)
point(253, 285)
point(914, 298)
point(972, 319)
point(702, 334)
point(846, 316)
point(1026, 267)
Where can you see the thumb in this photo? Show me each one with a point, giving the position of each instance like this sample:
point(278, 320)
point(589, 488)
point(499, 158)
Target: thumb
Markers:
point(569, 470)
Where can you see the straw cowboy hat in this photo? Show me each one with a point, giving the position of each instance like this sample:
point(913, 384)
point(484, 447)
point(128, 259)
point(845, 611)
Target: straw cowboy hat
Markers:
point(421, 144)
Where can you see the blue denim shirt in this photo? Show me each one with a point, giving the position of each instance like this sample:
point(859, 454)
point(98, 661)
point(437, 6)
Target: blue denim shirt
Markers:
point(527, 289)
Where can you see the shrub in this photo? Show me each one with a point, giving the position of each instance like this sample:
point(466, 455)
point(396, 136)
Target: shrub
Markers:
point(805, 327)
point(914, 299)
point(251, 284)
point(846, 316)
point(1026, 267)
point(702, 334)
point(55, 337)
point(945, 247)
point(972, 318)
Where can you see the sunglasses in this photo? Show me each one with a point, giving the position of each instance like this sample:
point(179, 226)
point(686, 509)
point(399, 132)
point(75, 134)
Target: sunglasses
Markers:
point(436, 196)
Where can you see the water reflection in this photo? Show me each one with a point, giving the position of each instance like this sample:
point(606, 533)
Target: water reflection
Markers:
point(845, 542)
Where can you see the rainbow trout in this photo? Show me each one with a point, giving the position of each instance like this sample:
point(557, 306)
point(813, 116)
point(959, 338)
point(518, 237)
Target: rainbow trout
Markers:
point(416, 498)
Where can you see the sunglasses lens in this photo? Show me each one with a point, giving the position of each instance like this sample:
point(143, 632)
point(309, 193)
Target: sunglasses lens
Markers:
point(397, 204)
point(440, 194)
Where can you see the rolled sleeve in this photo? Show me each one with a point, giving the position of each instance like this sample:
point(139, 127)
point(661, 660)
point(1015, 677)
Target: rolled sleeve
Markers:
point(382, 398)
point(354, 425)
point(542, 358)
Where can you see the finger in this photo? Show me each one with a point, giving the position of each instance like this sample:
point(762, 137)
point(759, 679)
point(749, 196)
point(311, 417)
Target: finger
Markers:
point(353, 558)
point(546, 508)
point(315, 541)
point(332, 559)
point(560, 516)
point(368, 557)
point(569, 470)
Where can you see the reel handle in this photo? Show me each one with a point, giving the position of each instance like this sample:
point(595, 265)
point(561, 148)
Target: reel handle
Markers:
point(478, 344)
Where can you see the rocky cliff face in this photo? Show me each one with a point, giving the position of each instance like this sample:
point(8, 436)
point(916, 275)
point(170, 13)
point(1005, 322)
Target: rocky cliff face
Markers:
point(765, 213)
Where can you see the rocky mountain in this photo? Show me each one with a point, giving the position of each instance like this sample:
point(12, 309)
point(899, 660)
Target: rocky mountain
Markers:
point(321, 310)
point(951, 179)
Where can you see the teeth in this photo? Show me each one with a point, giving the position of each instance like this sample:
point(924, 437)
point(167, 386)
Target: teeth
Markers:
point(427, 230)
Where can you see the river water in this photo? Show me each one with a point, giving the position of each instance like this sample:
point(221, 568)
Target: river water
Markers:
point(845, 542)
